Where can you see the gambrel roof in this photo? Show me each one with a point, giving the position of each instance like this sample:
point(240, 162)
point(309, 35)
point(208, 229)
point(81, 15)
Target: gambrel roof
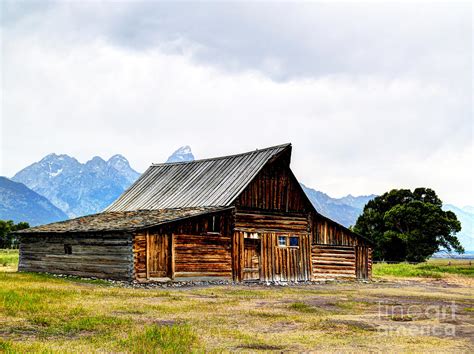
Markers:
point(215, 182)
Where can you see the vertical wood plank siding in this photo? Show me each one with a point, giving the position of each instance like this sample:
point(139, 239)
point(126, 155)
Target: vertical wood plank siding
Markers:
point(370, 263)
point(158, 261)
point(139, 259)
point(363, 262)
point(327, 232)
point(101, 255)
point(238, 256)
point(274, 188)
point(276, 263)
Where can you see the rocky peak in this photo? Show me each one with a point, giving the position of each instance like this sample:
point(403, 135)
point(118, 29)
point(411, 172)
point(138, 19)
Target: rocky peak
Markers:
point(184, 153)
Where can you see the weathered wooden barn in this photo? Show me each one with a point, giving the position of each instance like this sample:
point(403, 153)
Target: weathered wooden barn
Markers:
point(242, 217)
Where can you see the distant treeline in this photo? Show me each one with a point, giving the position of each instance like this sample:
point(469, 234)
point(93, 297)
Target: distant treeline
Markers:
point(7, 239)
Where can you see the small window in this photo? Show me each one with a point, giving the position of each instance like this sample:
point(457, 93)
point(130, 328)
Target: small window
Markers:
point(67, 249)
point(214, 224)
point(282, 241)
point(294, 241)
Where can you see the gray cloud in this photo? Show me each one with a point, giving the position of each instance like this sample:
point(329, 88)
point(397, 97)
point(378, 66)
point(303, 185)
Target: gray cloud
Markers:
point(372, 96)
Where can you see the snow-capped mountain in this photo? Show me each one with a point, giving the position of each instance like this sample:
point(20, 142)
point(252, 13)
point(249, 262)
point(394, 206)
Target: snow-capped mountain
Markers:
point(76, 188)
point(184, 153)
point(19, 203)
point(81, 189)
point(122, 165)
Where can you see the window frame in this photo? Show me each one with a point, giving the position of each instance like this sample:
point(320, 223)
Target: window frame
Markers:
point(294, 237)
point(286, 241)
point(214, 225)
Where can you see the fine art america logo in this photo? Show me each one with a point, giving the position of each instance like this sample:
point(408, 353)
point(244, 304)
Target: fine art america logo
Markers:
point(415, 320)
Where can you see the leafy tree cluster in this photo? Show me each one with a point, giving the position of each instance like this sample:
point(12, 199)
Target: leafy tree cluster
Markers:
point(408, 226)
point(7, 240)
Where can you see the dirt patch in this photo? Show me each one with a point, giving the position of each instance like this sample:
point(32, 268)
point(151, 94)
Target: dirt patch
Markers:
point(259, 347)
point(281, 327)
point(165, 323)
point(334, 324)
point(324, 303)
point(18, 333)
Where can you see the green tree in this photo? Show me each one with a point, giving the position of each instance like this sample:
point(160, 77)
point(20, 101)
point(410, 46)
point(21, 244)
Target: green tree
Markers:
point(7, 239)
point(408, 226)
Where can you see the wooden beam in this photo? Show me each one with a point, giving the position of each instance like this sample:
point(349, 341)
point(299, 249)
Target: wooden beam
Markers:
point(172, 260)
point(147, 255)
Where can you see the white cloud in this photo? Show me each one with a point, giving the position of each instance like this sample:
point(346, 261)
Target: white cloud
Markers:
point(353, 132)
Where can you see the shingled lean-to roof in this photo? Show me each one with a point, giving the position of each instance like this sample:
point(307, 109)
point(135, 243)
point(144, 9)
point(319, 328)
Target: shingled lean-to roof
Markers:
point(201, 183)
point(120, 220)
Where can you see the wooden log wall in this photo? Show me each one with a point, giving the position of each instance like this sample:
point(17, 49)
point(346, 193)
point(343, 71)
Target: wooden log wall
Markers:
point(199, 225)
point(333, 262)
point(262, 221)
point(203, 240)
point(101, 255)
point(202, 256)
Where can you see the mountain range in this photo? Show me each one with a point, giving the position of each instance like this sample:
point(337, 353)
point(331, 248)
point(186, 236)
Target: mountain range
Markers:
point(19, 203)
point(75, 188)
point(344, 210)
point(466, 217)
point(59, 187)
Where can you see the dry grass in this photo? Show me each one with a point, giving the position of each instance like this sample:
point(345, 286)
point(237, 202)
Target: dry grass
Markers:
point(45, 314)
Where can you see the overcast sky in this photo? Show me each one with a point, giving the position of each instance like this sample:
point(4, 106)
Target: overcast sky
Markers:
point(372, 96)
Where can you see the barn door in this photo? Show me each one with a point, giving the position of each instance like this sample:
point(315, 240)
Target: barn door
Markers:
point(251, 259)
point(158, 256)
point(362, 262)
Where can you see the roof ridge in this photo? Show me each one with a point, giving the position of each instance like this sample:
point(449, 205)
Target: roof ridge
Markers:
point(220, 157)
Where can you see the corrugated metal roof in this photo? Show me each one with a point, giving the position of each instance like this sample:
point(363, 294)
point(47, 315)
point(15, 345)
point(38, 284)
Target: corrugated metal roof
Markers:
point(120, 220)
point(200, 183)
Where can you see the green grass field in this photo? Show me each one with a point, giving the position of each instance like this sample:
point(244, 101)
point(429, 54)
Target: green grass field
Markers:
point(8, 258)
point(434, 268)
point(41, 313)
